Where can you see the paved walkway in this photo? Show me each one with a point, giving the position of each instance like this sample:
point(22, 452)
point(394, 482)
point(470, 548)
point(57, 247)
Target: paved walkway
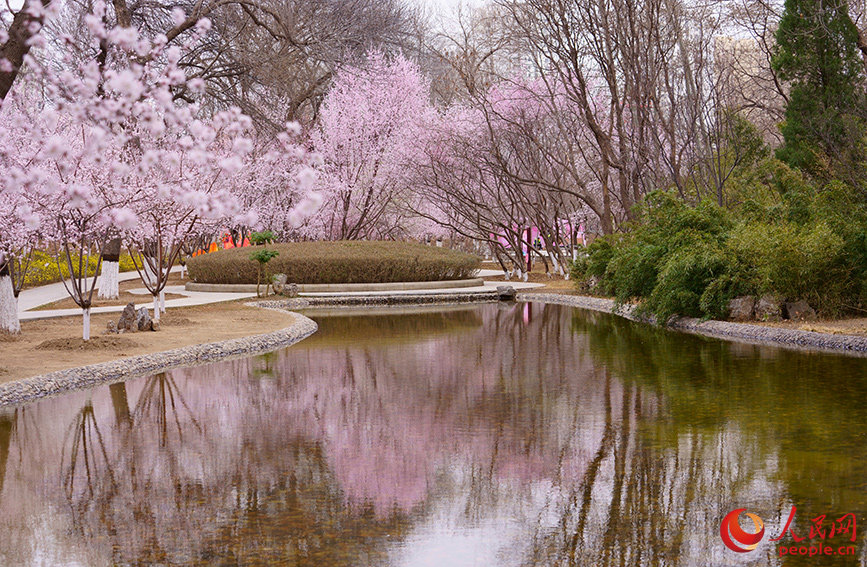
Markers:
point(32, 298)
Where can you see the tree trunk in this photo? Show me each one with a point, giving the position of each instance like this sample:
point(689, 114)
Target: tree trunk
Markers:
point(156, 307)
point(8, 303)
point(163, 301)
point(108, 282)
point(22, 28)
point(85, 313)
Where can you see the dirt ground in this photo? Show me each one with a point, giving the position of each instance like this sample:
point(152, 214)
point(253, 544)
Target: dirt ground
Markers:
point(47, 345)
point(854, 326)
point(555, 284)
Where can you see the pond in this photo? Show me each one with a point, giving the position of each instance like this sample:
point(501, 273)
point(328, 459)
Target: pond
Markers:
point(493, 435)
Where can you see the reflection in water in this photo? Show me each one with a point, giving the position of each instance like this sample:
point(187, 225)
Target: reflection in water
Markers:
point(7, 424)
point(494, 435)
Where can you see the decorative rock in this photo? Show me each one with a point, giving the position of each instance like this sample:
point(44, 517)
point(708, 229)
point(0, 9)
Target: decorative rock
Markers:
point(278, 282)
point(769, 308)
point(289, 290)
point(506, 293)
point(800, 311)
point(742, 308)
point(143, 320)
point(127, 319)
point(110, 328)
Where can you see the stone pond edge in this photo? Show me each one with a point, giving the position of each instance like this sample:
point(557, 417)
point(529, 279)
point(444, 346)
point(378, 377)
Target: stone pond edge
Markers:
point(83, 377)
point(740, 332)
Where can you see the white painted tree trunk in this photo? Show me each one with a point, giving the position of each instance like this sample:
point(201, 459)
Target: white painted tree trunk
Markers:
point(149, 275)
point(557, 269)
point(156, 308)
point(8, 306)
point(108, 287)
point(183, 267)
point(85, 314)
point(163, 301)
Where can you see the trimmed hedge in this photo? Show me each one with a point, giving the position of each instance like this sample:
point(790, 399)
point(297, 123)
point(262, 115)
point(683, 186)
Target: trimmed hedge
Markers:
point(338, 262)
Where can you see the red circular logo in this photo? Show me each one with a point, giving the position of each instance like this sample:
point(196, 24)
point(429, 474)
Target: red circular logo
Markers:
point(731, 532)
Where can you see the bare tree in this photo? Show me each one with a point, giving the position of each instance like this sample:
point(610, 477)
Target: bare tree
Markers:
point(640, 76)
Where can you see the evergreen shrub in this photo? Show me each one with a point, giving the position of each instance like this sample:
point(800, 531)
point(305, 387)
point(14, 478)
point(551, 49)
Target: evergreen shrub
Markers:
point(338, 262)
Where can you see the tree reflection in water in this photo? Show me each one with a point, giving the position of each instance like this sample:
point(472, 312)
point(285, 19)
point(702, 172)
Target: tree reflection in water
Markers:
point(8, 420)
point(503, 435)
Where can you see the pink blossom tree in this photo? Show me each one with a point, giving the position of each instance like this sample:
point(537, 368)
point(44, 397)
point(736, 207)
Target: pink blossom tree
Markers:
point(110, 148)
point(514, 169)
point(370, 120)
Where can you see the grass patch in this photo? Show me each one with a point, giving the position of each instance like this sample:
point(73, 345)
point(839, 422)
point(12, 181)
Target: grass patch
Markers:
point(338, 262)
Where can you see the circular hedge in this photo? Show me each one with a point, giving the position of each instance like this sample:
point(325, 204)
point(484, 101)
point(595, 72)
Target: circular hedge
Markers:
point(337, 262)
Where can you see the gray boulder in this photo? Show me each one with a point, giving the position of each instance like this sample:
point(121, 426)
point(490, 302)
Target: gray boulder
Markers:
point(278, 282)
point(506, 293)
point(769, 308)
point(127, 321)
point(742, 308)
point(290, 290)
point(800, 311)
point(143, 320)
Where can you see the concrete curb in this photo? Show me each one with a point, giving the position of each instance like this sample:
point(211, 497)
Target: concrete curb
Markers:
point(325, 288)
point(403, 300)
point(61, 381)
point(740, 332)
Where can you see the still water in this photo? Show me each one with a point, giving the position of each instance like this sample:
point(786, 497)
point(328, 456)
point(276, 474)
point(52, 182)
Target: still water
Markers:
point(499, 435)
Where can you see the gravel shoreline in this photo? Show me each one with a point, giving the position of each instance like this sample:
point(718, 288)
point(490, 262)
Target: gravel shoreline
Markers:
point(54, 383)
point(62, 381)
point(740, 332)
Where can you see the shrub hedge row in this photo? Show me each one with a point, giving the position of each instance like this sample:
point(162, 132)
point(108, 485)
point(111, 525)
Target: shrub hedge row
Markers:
point(338, 262)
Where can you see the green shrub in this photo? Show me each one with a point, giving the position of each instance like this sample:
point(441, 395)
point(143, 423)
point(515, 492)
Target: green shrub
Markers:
point(794, 261)
point(338, 262)
point(792, 239)
point(685, 275)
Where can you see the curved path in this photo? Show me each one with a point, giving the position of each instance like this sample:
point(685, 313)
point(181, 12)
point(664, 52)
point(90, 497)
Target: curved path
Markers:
point(32, 298)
